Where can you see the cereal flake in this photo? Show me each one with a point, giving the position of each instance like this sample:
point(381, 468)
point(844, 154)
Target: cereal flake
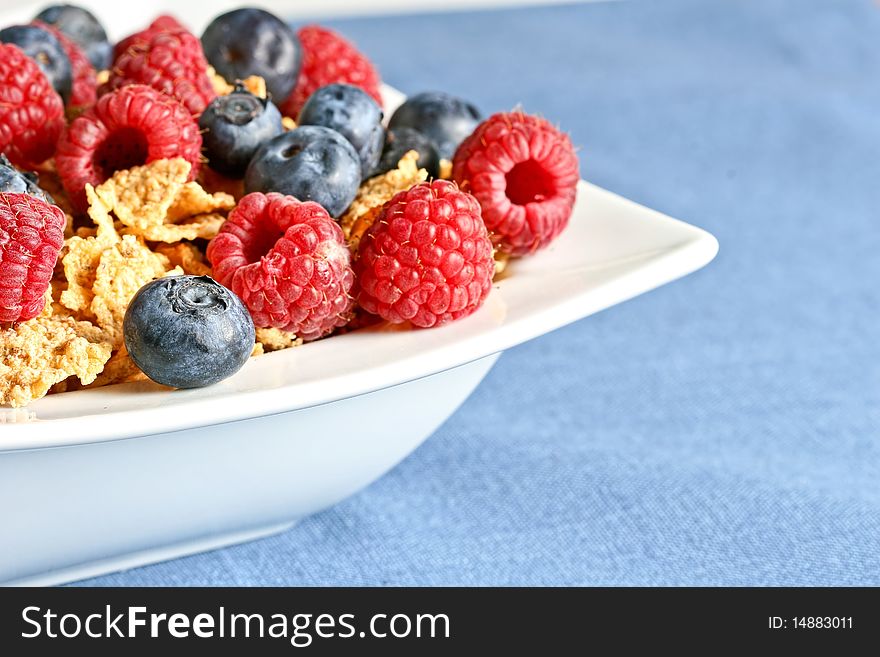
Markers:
point(119, 369)
point(80, 257)
point(156, 202)
point(123, 270)
point(37, 354)
point(186, 256)
point(377, 191)
point(445, 169)
point(254, 83)
point(273, 339)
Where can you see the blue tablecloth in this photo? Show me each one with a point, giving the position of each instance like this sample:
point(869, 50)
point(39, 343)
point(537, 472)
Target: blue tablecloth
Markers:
point(722, 430)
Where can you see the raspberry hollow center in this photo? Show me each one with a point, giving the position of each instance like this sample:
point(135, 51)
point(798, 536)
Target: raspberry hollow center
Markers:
point(261, 242)
point(528, 182)
point(122, 149)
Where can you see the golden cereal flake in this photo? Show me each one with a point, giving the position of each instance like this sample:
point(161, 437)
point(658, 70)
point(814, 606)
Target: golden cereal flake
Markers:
point(205, 226)
point(80, 260)
point(103, 77)
point(288, 123)
point(54, 310)
point(37, 354)
point(445, 169)
point(156, 202)
point(221, 86)
point(192, 200)
point(123, 270)
point(501, 262)
point(80, 257)
point(375, 192)
point(254, 83)
point(48, 310)
point(273, 339)
point(119, 369)
point(140, 197)
point(258, 350)
point(186, 256)
point(99, 213)
point(53, 293)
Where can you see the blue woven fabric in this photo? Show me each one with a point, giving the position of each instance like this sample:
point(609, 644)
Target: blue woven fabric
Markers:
point(722, 430)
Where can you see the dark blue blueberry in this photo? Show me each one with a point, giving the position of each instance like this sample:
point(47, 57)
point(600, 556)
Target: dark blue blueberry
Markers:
point(234, 127)
point(351, 112)
point(251, 41)
point(13, 180)
point(82, 27)
point(46, 51)
point(399, 142)
point(311, 163)
point(188, 331)
point(444, 119)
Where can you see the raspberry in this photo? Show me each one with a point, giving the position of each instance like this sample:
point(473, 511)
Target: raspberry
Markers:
point(427, 258)
point(163, 23)
point(84, 91)
point(288, 262)
point(328, 58)
point(131, 126)
point(31, 112)
point(31, 235)
point(524, 173)
point(170, 62)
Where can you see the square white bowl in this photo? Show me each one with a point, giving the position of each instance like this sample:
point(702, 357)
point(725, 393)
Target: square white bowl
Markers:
point(97, 480)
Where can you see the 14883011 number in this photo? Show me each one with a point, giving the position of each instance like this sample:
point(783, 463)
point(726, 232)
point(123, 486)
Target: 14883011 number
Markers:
point(822, 622)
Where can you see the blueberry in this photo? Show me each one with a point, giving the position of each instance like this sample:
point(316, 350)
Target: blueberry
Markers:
point(402, 140)
point(251, 41)
point(312, 163)
point(351, 112)
point(187, 331)
point(46, 51)
point(234, 127)
point(443, 118)
point(83, 28)
point(13, 180)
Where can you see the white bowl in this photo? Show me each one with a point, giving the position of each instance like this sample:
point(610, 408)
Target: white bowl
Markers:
point(100, 480)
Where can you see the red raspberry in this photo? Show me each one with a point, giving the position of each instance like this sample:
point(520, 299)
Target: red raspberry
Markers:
point(288, 262)
point(427, 258)
point(85, 84)
point(31, 112)
point(524, 173)
point(163, 23)
point(170, 62)
point(129, 127)
point(31, 235)
point(329, 58)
